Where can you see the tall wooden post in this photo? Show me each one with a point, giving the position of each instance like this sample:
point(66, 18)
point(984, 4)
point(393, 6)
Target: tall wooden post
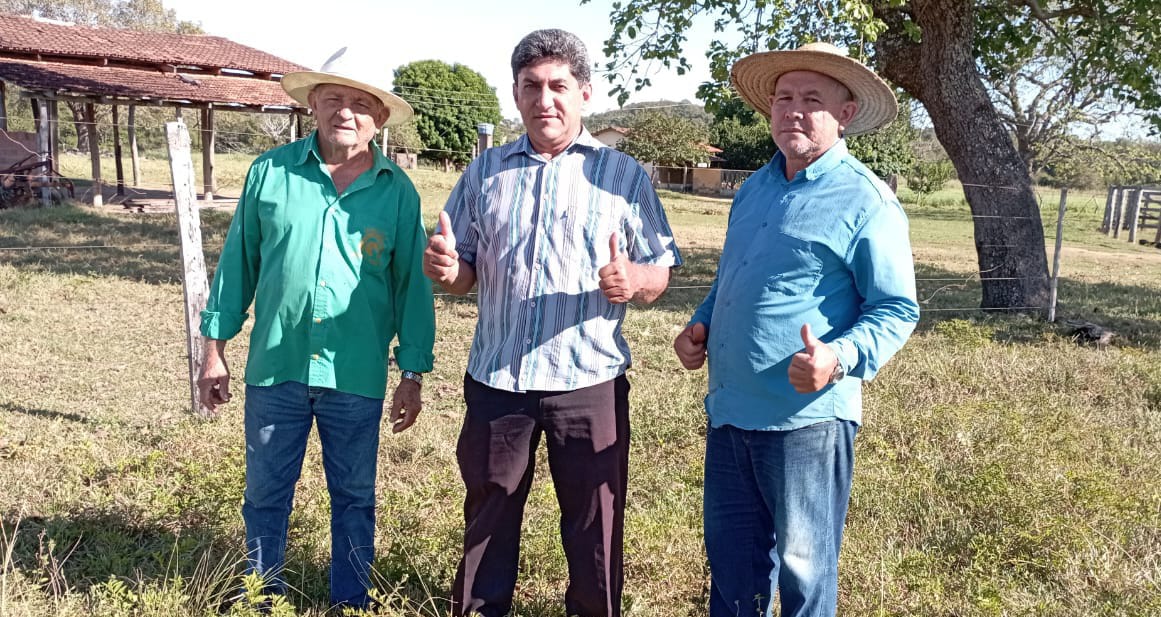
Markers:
point(208, 139)
point(54, 132)
point(293, 126)
point(194, 282)
point(1108, 217)
point(117, 151)
point(43, 149)
point(1134, 215)
point(3, 106)
point(1118, 207)
point(94, 153)
point(1056, 255)
point(131, 133)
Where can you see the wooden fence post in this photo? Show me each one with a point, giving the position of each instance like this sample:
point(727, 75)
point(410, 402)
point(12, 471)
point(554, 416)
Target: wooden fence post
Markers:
point(1106, 221)
point(1056, 256)
point(1134, 215)
point(194, 284)
point(1118, 208)
point(44, 148)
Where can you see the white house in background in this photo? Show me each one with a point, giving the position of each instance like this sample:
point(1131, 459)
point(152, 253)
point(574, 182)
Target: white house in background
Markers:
point(611, 135)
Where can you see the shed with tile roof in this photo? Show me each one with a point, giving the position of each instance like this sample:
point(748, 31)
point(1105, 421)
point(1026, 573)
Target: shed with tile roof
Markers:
point(53, 61)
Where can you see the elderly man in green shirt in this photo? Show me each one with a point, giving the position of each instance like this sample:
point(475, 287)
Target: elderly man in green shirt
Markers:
point(327, 241)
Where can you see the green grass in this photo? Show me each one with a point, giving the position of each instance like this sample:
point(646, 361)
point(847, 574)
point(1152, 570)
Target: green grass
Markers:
point(1003, 469)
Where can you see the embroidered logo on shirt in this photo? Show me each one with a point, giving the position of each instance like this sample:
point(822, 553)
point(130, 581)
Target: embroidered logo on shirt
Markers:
point(372, 246)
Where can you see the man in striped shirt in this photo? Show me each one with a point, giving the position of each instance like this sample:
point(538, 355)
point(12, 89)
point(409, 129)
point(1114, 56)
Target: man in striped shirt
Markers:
point(559, 233)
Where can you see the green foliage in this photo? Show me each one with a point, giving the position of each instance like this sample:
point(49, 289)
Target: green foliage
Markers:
point(744, 146)
point(887, 151)
point(666, 139)
point(630, 114)
point(449, 101)
point(405, 137)
point(149, 15)
point(927, 177)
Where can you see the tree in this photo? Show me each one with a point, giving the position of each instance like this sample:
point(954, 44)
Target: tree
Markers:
point(742, 134)
point(405, 137)
point(630, 113)
point(937, 51)
point(449, 101)
point(666, 139)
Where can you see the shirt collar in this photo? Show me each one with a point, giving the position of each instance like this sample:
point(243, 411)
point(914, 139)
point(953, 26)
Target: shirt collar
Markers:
point(584, 139)
point(828, 161)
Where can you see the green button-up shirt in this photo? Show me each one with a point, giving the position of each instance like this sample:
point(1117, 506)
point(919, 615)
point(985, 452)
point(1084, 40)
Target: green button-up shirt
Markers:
point(334, 278)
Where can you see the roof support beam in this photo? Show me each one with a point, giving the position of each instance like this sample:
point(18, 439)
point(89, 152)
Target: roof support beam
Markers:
point(3, 107)
point(94, 152)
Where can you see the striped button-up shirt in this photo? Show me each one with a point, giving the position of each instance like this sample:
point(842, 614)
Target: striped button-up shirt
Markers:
point(537, 231)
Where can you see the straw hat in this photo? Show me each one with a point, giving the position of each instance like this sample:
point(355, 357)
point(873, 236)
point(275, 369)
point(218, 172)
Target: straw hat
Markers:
point(345, 69)
point(754, 77)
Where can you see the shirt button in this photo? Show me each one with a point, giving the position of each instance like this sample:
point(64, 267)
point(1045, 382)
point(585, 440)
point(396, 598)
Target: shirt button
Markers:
point(322, 283)
point(527, 341)
point(314, 356)
point(318, 319)
point(764, 224)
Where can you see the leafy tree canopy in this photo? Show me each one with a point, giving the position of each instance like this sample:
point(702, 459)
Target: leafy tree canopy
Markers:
point(666, 139)
point(150, 15)
point(449, 101)
point(629, 114)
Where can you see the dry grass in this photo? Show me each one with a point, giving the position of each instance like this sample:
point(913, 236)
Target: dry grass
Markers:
point(1003, 469)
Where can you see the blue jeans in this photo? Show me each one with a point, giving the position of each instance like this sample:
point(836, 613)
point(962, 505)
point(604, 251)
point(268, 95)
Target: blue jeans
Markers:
point(775, 504)
point(278, 422)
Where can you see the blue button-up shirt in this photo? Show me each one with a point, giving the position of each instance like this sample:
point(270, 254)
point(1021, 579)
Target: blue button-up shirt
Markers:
point(537, 231)
point(828, 248)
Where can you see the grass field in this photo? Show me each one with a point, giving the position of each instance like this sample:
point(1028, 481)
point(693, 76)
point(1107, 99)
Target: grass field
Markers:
point(1003, 469)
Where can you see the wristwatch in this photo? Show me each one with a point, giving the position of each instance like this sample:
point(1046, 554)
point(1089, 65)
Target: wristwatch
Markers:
point(413, 376)
point(838, 373)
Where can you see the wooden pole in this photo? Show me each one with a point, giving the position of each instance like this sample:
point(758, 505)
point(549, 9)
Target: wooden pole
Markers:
point(3, 106)
point(1056, 255)
point(117, 152)
point(293, 126)
point(54, 133)
point(43, 148)
point(194, 282)
point(131, 131)
point(1118, 207)
point(94, 153)
point(1134, 215)
point(1108, 217)
point(210, 185)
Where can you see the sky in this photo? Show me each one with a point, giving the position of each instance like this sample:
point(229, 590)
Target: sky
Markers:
point(477, 33)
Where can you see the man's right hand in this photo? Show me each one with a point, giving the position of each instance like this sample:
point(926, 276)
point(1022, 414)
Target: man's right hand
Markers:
point(690, 346)
point(214, 381)
point(441, 262)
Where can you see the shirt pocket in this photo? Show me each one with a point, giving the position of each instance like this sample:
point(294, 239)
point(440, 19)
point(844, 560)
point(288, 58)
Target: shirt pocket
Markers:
point(794, 268)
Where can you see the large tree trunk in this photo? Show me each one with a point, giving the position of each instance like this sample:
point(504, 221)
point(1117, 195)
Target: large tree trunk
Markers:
point(940, 71)
point(79, 124)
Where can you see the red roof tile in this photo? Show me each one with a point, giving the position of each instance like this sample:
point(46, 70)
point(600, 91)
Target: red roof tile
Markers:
point(140, 84)
point(27, 35)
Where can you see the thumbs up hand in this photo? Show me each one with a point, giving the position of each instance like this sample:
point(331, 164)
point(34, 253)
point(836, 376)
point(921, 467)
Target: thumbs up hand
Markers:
point(811, 368)
point(441, 262)
point(616, 277)
point(690, 346)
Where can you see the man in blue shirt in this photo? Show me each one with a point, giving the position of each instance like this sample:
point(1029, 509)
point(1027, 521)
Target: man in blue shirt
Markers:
point(559, 233)
point(815, 291)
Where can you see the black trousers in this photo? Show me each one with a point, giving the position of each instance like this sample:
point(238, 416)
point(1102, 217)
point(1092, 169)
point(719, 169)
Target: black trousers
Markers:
point(587, 435)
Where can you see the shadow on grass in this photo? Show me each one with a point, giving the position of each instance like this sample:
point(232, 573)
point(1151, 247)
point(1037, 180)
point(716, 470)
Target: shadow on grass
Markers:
point(46, 413)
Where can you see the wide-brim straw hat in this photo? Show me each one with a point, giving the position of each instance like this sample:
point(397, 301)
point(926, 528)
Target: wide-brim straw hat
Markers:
point(755, 75)
point(345, 69)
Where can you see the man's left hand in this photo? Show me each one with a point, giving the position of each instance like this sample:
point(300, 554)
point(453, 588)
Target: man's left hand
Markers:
point(406, 405)
point(617, 277)
point(811, 368)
